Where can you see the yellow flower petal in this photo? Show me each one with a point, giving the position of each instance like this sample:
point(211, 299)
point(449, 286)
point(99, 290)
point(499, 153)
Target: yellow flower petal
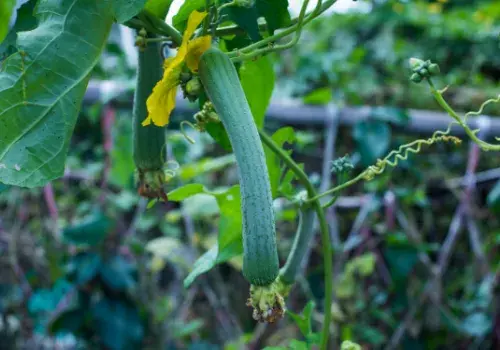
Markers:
point(194, 21)
point(196, 48)
point(162, 101)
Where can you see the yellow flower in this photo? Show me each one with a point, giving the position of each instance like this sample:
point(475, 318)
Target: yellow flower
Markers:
point(162, 100)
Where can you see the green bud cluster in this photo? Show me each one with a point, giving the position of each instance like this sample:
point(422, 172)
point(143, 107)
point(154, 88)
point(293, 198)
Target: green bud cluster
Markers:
point(422, 69)
point(206, 115)
point(190, 85)
point(342, 165)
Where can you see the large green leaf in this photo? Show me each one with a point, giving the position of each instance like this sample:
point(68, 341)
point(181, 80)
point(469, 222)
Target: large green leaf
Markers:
point(6, 8)
point(126, 9)
point(180, 19)
point(257, 80)
point(24, 21)
point(42, 86)
point(275, 12)
point(229, 242)
point(245, 18)
point(158, 7)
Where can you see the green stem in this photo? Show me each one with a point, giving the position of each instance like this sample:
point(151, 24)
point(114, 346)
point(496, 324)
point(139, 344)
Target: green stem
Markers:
point(257, 49)
point(303, 236)
point(160, 27)
point(338, 188)
point(471, 133)
point(233, 29)
point(325, 236)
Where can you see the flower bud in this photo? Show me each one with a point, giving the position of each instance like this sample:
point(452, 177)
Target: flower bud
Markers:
point(416, 78)
point(434, 69)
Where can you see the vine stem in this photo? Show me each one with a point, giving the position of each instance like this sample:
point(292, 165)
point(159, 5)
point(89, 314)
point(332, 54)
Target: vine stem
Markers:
point(338, 188)
point(256, 49)
point(156, 25)
point(325, 238)
point(438, 96)
point(234, 29)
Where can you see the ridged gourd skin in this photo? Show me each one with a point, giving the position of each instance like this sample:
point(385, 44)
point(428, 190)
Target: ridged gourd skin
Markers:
point(222, 85)
point(148, 140)
point(305, 231)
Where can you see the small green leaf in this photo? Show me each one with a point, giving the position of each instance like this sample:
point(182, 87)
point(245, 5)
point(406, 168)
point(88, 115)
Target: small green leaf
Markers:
point(219, 134)
point(245, 18)
point(275, 12)
point(303, 321)
point(42, 86)
point(181, 330)
point(181, 193)
point(206, 165)
point(90, 231)
point(158, 7)
point(257, 80)
point(320, 96)
point(180, 19)
point(117, 324)
point(126, 9)
point(493, 198)
point(229, 242)
point(372, 140)
point(281, 136)
point(84, 267)
point(116, 273)
point(6, 10)
point(362, 265)
point(204, 263)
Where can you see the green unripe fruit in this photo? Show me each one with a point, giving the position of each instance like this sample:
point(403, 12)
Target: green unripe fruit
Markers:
point(223, 87)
